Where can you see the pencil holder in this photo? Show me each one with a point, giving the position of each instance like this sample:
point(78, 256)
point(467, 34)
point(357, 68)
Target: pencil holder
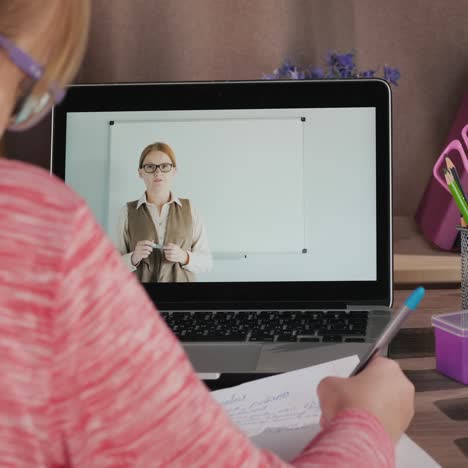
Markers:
point(464, 266)
point(437, 213)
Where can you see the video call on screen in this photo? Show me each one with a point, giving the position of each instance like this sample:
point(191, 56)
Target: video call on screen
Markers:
point(252, 195)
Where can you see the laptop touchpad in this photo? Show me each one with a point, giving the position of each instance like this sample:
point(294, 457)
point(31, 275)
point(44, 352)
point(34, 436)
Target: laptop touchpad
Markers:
point(291, 356)
point(223, 357)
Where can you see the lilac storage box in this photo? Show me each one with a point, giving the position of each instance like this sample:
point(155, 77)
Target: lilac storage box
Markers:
point(451, 344)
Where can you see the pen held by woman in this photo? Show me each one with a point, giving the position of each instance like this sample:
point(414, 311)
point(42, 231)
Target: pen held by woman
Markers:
point(391, 329)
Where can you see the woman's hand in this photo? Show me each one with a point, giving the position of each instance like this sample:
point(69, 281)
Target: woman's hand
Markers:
point(175, 254)
point(143, 250)
point(381, 389)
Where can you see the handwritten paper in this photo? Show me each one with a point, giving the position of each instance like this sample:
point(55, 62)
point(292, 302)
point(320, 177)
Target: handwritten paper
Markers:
point(282, 413)
point(286, 400)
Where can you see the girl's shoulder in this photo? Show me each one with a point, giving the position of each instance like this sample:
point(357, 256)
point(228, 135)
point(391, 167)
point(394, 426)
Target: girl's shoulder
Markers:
point(29, 185)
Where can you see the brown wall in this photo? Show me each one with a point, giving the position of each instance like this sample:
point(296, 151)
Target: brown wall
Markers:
point(159, 40)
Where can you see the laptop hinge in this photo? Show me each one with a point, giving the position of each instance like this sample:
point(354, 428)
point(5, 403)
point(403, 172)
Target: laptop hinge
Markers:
point(248, 305)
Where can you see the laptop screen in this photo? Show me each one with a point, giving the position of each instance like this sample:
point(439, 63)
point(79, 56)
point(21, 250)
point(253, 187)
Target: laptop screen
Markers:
point(232, 195)
point(251, 195)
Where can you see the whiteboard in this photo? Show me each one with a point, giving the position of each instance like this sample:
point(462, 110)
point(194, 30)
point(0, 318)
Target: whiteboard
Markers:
point(244, 176)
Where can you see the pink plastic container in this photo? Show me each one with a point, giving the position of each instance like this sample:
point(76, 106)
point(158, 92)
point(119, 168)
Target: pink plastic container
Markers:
point(437, 213)
point(464, 134)
point(451, 344)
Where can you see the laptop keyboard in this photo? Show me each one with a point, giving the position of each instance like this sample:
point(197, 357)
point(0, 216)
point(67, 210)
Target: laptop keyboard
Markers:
point(268, 325)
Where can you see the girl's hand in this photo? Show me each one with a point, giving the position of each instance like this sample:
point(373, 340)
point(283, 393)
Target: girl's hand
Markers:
point(381, 389)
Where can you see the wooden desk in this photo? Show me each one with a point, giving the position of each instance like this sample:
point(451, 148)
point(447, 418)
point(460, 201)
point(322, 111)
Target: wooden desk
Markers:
point(417, 261)
point(439, 400)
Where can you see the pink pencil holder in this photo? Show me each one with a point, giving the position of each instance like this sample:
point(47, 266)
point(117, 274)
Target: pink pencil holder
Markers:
point(437, 214)
point(464, 134)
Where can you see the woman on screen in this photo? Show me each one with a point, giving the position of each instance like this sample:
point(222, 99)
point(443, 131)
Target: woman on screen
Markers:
point(161, 237)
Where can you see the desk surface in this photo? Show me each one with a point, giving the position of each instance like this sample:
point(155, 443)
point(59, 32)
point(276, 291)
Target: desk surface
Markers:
point(416, 260)
point(440, 425)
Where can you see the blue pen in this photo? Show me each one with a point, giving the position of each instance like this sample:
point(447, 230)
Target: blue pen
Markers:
point(392, 328)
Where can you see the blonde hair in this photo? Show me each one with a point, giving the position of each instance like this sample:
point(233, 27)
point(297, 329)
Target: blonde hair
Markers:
point(70, 23)
point(158, 146)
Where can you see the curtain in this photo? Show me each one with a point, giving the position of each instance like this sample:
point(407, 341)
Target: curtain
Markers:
point(184, 40)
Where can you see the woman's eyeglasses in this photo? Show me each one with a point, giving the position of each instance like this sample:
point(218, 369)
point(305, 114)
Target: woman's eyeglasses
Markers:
point(151, 168)
point(29, 109)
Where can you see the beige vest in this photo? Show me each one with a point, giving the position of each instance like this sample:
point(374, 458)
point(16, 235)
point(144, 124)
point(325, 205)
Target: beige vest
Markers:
point(179, 231)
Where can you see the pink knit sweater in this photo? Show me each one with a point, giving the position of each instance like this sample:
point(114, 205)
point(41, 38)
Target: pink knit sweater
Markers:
point(90, 376)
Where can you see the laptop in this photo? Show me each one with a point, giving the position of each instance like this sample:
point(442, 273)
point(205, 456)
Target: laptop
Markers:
point(282, 256)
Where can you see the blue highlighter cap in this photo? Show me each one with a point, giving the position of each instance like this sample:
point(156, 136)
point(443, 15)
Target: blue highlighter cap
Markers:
point(415, 298)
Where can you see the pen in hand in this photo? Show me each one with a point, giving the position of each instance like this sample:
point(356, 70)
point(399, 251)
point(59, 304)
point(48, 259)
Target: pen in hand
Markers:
point(391, 329)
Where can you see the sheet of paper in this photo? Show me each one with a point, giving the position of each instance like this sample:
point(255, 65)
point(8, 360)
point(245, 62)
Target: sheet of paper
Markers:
point(288, 443)
point(411, 455)
point(282, 413)
point(287, 400)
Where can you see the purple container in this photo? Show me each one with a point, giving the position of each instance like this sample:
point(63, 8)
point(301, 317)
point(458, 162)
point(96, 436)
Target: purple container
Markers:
point(451, 344)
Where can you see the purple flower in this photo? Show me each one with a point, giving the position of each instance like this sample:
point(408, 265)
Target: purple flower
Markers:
point(285, 68)
point(367, 74)
point(295, 74)
point(392, 75)
point(340, 65)
point(345, 73)
point(336, 66)
point(316, 73)
point(345, 60)
point(331, 59)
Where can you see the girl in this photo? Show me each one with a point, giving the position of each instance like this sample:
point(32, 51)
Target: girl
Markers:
point(90, 375)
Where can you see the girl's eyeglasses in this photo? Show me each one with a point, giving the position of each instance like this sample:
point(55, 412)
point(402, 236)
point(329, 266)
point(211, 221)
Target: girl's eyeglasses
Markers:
point(29, 109)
